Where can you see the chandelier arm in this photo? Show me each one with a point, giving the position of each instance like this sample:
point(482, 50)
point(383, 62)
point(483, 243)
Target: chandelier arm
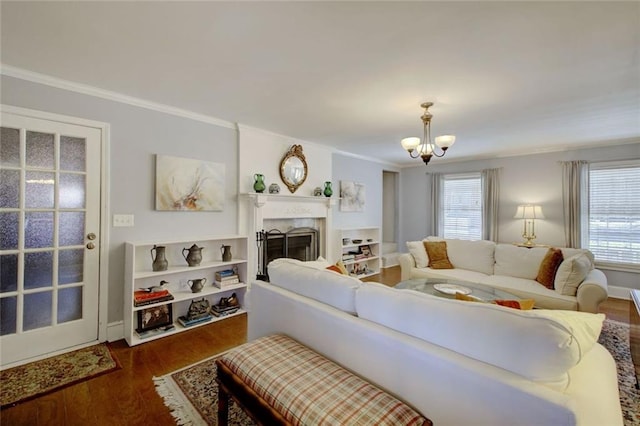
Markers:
point(414, 156)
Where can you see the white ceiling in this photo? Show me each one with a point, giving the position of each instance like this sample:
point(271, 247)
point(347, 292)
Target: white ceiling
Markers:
point(505, 77)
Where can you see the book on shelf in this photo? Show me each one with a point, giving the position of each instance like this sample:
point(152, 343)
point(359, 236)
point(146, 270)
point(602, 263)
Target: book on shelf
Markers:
point(144, 295)
point(188, 322)
point(145, 302)
point(154, 331)
point(224, 273)
point(227, 282)
point(220, 312)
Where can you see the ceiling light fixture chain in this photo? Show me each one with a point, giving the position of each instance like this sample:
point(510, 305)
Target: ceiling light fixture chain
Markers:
point(425, 148)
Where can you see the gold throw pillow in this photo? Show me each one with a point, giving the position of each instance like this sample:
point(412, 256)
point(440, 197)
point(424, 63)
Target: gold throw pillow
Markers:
point(438, 258)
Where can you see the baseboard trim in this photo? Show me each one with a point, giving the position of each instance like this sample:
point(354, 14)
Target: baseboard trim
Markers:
point(619, 292)
point(115, 331)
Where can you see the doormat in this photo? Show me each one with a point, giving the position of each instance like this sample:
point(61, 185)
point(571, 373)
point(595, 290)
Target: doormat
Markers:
point(191, 393)
point(37, 378)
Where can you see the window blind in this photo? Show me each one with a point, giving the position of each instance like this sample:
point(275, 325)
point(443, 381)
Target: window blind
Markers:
point(462, 207)
point(614, 212)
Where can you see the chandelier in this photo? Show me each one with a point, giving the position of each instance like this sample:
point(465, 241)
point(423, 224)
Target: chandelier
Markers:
point(424, 148)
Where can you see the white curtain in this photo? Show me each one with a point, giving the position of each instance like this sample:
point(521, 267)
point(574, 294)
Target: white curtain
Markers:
point(574, 198)
point(490, 203)
point(435, 203)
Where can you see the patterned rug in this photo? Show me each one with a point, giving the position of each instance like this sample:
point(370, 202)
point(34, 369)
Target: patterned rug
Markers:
point(192, 393)
point(37, 378)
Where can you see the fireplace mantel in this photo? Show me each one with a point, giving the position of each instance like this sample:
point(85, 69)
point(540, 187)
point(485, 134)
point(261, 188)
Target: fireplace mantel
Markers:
point(258, 207)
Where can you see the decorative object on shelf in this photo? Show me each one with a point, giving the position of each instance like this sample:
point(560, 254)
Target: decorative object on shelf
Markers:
point(424, 148)
point(258, 183)
point(352, 196)
point(328, 191)
point(160, 262)
point(356, 241)
point(317, 192)
point(345, 241)
point(155, 317)
point(197, 285)
point(198, 309)
point(156, 288)
point(274, 188)
point(365, 250)
point(293, 168)
point(529, 212)
point(195, 255)
point(226, 253)
point(226, 306)
point(189, 184)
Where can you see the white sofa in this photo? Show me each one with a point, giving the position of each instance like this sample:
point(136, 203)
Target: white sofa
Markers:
point(458, 363)
point(578, 286)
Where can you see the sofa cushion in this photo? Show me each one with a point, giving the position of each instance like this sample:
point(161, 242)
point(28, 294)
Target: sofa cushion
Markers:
point(570, 252)
point(530, 289)
point(419, 253)
point(437, 252)
point(538, 344)
point(571, 273)
point(456, 274)
point(475, 256)
point(520, 262)
point(319, 284)
point(549, 267)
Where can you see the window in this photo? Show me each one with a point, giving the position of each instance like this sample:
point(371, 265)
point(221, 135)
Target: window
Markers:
point(462, 207)
point(613, 233)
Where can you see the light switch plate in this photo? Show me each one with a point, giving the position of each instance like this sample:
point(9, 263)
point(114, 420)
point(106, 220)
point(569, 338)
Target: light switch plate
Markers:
point(122, 220)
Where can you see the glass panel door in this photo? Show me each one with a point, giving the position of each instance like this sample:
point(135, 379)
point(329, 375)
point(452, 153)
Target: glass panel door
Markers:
point(50, 220)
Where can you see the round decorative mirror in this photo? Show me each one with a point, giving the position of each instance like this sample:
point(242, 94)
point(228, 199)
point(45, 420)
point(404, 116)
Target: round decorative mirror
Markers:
point(293, 168)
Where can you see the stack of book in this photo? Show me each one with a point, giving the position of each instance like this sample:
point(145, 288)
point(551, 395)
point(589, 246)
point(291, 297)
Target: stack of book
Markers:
point(222, 311)
point(347, 257)
point(226, 278)
point(189, 322)
point(143, 298)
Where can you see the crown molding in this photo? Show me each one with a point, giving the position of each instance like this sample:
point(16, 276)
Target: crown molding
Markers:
point(84, 89)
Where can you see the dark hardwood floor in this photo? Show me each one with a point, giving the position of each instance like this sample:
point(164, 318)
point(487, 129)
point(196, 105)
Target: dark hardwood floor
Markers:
point(128, 396)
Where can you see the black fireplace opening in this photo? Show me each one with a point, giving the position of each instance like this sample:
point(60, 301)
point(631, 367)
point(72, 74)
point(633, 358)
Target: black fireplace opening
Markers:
point(297, 243)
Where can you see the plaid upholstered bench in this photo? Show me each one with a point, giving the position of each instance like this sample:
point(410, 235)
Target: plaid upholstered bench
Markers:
point(278, 381)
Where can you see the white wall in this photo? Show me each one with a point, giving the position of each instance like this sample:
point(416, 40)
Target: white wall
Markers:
point(261, 152)
point(525, 179)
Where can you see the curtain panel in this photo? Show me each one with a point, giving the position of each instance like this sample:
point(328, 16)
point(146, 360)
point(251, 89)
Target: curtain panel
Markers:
point(574, 197)
point(490, 203)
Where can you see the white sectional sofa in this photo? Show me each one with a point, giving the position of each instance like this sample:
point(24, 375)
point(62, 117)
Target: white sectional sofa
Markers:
point(458, 363)
point(578, 286)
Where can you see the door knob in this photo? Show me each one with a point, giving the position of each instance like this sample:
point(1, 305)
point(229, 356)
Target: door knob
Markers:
point(91, 246)
point(91, 236)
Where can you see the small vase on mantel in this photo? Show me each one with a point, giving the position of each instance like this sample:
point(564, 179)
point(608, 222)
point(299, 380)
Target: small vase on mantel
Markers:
point(258, 184)
point(328, 192)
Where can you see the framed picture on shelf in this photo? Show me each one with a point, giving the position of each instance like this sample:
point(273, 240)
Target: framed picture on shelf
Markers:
point(158, 316)
point(366, 250)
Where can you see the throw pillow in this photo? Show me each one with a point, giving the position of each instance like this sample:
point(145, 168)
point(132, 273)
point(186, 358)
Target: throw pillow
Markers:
point(571, 273)
point(338, 267)
point(523, 305)
point(419, 253)
point(437, 252)
point(549, 267)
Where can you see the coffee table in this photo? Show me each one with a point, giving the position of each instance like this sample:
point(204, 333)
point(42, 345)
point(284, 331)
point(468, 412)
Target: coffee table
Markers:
point(445, 287)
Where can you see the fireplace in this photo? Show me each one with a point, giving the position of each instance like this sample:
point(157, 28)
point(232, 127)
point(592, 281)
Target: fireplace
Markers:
point(297, 243)
point(300, 227)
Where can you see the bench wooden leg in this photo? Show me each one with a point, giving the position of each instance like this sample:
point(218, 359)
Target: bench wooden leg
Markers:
point(223, 406)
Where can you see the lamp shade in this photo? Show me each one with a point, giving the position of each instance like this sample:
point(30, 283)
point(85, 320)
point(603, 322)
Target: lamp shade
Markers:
point(410, 144)
point(445, 141)
point(529, 211)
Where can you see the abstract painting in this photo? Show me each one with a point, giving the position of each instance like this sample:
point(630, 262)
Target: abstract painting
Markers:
point(352, 195)
point(188, 184)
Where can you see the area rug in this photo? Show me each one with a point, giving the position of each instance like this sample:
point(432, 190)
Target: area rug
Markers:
point(615, 337)
point(191, 393)
point(37, 378)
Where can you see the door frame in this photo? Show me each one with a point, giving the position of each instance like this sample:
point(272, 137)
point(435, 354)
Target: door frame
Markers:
point(103, 277)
